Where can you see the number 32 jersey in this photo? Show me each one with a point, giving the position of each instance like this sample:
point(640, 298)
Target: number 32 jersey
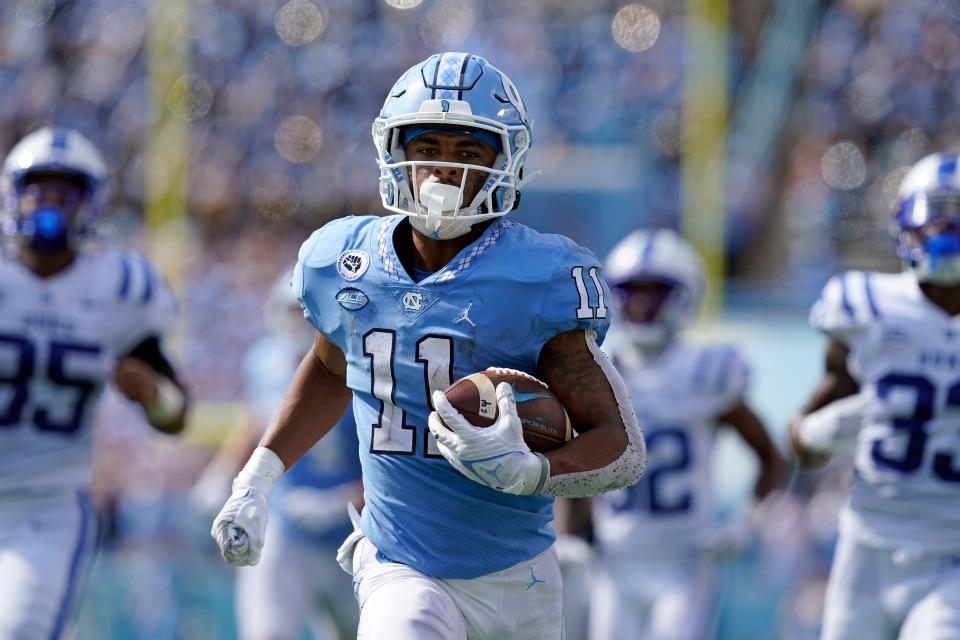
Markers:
point(60, 338)
point(495, 304)
point(677, 396)
point(905, 353)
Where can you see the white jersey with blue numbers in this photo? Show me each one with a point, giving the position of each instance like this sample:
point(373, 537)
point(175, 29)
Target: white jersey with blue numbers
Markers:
point(905, 353)
point(677, 397)
point(333, 462)
point(60, 338)
point(495, 304)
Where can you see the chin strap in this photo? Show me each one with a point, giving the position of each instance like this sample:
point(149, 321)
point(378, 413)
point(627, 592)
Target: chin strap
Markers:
point(527, 179)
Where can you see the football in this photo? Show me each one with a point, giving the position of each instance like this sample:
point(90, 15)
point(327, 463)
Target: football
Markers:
point(546, 424)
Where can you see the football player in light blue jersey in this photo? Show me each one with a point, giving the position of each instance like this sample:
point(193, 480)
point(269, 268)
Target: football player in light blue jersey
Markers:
point(890, 394)
point(72, 319)
point(658, 541)
point(455, 537)
point(297, 582)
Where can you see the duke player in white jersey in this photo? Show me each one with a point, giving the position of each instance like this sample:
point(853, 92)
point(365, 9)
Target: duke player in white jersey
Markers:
point(297, 584)
point(455, 539)
point(70, 322)
point(658, 540)
point(890, 394)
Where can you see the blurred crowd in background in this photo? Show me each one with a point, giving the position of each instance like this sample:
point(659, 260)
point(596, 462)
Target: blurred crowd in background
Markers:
point(279, 99)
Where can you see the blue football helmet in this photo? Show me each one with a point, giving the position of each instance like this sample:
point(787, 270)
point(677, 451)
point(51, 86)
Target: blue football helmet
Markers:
point(456, 93)
point(928, 219)
point(657, 282)
point(41, 208)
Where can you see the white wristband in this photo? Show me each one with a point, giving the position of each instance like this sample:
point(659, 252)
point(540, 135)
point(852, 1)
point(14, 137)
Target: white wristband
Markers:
point(261, 471)
point(168, 404)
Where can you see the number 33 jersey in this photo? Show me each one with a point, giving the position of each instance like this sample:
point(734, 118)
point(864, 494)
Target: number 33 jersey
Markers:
point(60, 338)
point(495, 304)
point(905, 353)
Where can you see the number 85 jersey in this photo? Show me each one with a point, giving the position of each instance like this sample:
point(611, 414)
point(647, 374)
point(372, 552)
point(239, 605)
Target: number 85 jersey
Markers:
point(905, 354)
point(60, 338)
point(495, 304)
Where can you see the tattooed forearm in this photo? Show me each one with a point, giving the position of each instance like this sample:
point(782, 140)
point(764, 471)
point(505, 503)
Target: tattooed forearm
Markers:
point(568, 366)
point(573, 375)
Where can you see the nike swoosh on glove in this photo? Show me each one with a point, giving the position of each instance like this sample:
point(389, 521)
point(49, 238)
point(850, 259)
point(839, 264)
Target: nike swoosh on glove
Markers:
point(495, 456)
point(240, 525)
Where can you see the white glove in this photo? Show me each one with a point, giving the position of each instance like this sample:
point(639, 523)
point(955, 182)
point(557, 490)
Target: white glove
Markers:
point(496, 456)
point(834, 428)
point(240, 525)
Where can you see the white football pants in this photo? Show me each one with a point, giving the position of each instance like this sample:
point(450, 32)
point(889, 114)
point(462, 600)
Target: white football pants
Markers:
point(46, 544)
point(296, 583)
point(523, 602)
point(877, 594)
point(645, 599)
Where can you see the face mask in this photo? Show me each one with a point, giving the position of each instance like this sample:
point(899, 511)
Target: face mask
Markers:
point(47, 215)
point(940, 263)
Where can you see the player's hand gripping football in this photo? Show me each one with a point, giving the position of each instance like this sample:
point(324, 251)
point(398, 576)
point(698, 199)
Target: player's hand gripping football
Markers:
point(495, 456)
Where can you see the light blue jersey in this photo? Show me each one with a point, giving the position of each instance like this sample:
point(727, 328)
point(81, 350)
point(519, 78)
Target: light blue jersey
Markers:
point(332, 462)
point(495, 304)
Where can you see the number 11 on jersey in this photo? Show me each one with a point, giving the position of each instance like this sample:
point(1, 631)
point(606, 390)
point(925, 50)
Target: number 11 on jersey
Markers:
point(391, 434)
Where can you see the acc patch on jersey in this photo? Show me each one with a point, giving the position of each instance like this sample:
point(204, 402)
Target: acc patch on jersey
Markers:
point(352, 299)
point(352, 264)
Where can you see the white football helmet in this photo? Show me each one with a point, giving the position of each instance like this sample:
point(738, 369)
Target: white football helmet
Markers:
point(28, 214)
point(648, 258)
point(928, 219)
point(452, 93)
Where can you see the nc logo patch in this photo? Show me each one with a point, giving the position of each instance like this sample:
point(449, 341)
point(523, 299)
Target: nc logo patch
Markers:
point(412, 301)
point(352, 264)
point(352, 299)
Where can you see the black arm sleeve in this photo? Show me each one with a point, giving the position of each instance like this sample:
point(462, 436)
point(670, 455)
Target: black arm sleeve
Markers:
point(149, 351)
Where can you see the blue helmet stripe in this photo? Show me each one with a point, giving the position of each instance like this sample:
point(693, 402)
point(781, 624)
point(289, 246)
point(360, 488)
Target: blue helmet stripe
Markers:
point(463, 72)
point(436, 74)
point(647, 252)
point(449, 77)
point(124, 278)
point(948, 166)
point(844, 298)
point(870, 301)
point(148, 282)
point(59, 139)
